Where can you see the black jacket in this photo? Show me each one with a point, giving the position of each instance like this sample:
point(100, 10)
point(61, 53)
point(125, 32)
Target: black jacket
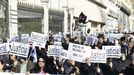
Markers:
point(129, 70)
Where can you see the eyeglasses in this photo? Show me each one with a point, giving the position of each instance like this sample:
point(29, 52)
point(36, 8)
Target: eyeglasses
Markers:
point(41, 61)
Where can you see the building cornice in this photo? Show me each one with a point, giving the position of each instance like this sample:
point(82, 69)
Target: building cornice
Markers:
point(98, 3)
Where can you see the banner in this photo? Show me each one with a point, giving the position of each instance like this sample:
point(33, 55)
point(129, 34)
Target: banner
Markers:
point(38, 39)
point(54, 50)
point(24, 38)
point(19, 49)
point(58, 43)
point(4, 48)
point(112, 51)
point(58, 37)
point(57, 51)
point(78, 52)
point(113, 36)
point(63, 54)
point(98, 56)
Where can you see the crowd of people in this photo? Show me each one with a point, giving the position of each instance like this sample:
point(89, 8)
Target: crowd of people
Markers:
point(54, 65)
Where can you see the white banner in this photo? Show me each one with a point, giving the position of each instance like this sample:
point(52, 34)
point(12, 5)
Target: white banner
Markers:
point(54, 50)
point(113, 36)
point(37, 37)
point(4, 48)
point(58, 37)
point(58, 43)
point(57, 51)
point(19, 49)
point(24, 38)
point(63, 54)
point(78, 52)
point(98, 56)
point(112, 51)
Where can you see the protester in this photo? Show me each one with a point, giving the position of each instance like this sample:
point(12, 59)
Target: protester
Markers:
point(15, 66)
point(89, 69)
point(2, 66)
point(121, 64)
point(23, 65)
point(108, 68)
point(130, 69)
point(69, 67)
point(40, 67)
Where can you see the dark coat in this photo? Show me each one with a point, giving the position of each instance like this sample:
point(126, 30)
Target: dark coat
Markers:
point(107, 70)
point(68, 68)
point(120, 66)
point(87, 70)
point(129, 70)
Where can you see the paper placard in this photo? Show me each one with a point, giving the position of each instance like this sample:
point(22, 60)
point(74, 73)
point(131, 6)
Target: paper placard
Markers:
point(112, 51)
point(19, 49)
point(98, 56)
point(78, 52)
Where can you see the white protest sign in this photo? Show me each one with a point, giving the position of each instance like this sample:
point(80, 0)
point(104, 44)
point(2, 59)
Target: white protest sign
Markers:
point(4, 48)
point(19, 49)
point(24, 38)
point(112, 51)
point(58, 43)
point(78, 52)
point(54, 50)
point(38, 39)
point(58, 37)
point(57, 51)
point(63, 54)
point(98, 56)
point(113, 36)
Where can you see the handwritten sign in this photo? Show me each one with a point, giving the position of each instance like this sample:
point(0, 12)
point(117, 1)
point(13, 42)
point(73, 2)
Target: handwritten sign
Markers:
point(78, 52)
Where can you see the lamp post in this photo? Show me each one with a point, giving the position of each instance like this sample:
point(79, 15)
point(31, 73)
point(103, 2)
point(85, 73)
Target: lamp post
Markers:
point(45, 27)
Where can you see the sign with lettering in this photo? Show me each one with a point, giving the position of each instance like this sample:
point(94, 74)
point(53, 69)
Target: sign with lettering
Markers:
point(19, 49)
point(4, 48)
point(112, 51)
point(38, 39)
point(98, 56)
point(78, 52)
point(54, 50)
point(24, 38)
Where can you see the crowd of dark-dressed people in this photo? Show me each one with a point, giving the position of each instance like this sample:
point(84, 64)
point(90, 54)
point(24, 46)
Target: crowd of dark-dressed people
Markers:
point(54, 65)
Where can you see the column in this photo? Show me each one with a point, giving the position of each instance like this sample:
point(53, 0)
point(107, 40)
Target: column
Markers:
point(65, 20)
point(13, 23)
point(71, 20)
point(45, 26)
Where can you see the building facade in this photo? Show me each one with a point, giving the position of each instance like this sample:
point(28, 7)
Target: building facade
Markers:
point(102, 15)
